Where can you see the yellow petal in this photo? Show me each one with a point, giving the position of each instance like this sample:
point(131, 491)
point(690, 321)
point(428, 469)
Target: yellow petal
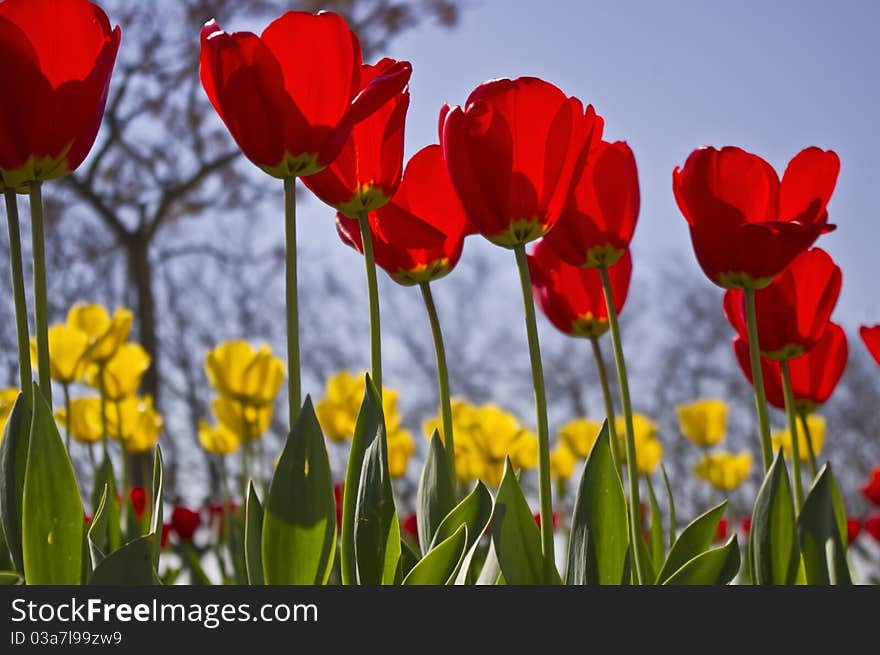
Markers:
point(246, 421)
point(218, 439)
point(400, 449)
point(85, 420)
point(122, 372)
point(579, 435)
point(562, 462)
point(8, 397)
point(703, 422)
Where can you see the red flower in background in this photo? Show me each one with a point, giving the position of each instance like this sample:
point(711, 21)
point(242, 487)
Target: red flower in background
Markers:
point(410, 527)
point(419, 235)
point(338, 493)
point(572, 297)
point(721, 530)
point(166, 531)
point(555, 520)
point(367, 171)
point(814, 375)
point(513, 153)
point(57, 61)
point(872, 525)
point(746, 524)
point(794, 310)
point(745, 225)
point(853, 528)
point(871, 338)
point(871, 489)
point(291, 96)
point(598, 221)
point(185, 522)
point(138, 501)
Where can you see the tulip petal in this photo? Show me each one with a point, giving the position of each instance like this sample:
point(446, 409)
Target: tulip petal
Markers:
point(807, 185)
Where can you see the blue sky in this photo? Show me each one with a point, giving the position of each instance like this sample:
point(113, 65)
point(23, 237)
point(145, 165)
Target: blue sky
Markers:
point(670, 76)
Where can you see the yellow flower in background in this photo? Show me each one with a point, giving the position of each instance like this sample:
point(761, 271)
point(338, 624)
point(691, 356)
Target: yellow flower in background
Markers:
point(122, 372)
point(524, 452)
point(400, 449)
point(249, 376)
point(704, 421)
point(492, 435)
point(247, 421)
point(562, 462)
point(338, 410)
point(67, 349)
point(649, 449)
point(648, 455)
point(723, 470)
point(816, 425)
point(7, 400)
point(579, 435)
point(85, 419)
point(135, 423)
point(105, 333)
point(644, 428)
point(218, 439)
point(463, 417)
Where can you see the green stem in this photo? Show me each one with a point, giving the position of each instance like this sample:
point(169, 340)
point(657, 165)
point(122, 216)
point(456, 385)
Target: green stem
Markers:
point(793, 433)
point(105, 432)
point(245, 452)
point(609, 402)
point(226, 534)
point(544, 481)
point(811, 451)
point(373, 287)
point(18, 292)
point(66, 388)
point(294, 388)
point(41, 319)
point(631, 468)
point(758, 378)
point(442, 376)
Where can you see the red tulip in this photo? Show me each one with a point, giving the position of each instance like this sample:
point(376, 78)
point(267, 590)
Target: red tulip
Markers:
point(794, 310)
point(746, 524)
point(598, 221)
point(745, 225)
point(721, 530)
point(57, 61)
point(572, 297)
point(291, 96)
point(872, 526)
point(419, 235)
point(871, 338)
point(166, 531)
point(555, 519)
point(411, 526)
point(853, 528)
point(138, 501)
point(338, 494)
point(513, 153)
point(814, 375)
point(367, 171)
point(871, 489)
point(185, 522)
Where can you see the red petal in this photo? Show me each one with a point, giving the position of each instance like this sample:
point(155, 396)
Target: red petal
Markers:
point(871, 338)
point(807, 185)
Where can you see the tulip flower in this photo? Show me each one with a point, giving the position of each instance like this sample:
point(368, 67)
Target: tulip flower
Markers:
point(400, 449)
point(338, 410)
point(721, 530)
point(409, 527)
point(185, 522)
point(83, 420)
point(853, 528)
point(248, 376)
point(871, 338)
point(138, 498)
point(794, 310)
point(166, 532)
point(7, 401)
point(218, 439)
point(579, 436)
point(67, 348)
point(872, 526)
point(815, 426)
point(871, 489)
point(704, 422)
point(746, 525)
point(249, 422)
point(121, 375)
point(105, 333)
point(537, 517)
point(135, 423)
point(723, 470)
point(562, 462)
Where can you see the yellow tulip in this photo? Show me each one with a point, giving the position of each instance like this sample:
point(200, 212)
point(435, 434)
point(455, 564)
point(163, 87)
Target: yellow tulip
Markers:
point(249, 376)
point(704, 421)
point(338, 410)
point(648, 455)
point(218, 439)
point(494, 434)
point(400, 449)
point(463, 418)
point(723, 470)
point(105, 333)
point(135, 423)
point(644, 429)
point(122, 372)
point(816, 425)
point(562, 462)
point(247, 421)
point(579, 435)
point(85, 419)
point(67, 349)
point(649, 449)
point(7, 400)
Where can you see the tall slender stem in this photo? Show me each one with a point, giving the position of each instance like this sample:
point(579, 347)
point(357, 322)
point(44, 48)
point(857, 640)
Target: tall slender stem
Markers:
point(758, 378)
point(294, 388)
point(793, 433)
point(41, 319)
point(18, 292)
point(811, 449)
point(373, 288)
point(66, 388)
point(544, 482)
point(442, 376)
point(609, 402)
point(631, 468)
point(105, 432)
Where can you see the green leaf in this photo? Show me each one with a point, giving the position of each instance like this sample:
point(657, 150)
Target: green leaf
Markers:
point(9, 578)
point(130, 565)
point(408, 559)
point(669, 499)
point(156, 517)
point(13, 460)
point(658, 543)
point(649, 571)
point(52, 512)
point(370, 421)
point(299, 522)
point(97, 533)
point(694, 540)
point(436, 495)
point(253, 537)
point(475, 511)
point(714, 567)
point(440, 565)
point(774, 532)
point(391, 571)
point(109, 538)
point(516, 536)
point(599, 534)
point(822, 548)
point(490, 573)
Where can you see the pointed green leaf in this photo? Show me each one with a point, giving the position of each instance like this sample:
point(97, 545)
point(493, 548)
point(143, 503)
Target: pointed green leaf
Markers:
point(13, 461)
point(671, 501)
point(823, 551)
point(714, 567)
point(599, 534)
point(299, 522)
point(436, 495)
point(441, 564)
point(474, 512)
point(52, 512)
point(694, 540)
point(253, 537)
point(774, 533)
point(658, 544)
point(408, 559)
point(649, 571)
point(392, 571)
point(109, 538)
point(130, 565)
point(97, 532)
point(158, 494)
point(9, 578)
point(490, 573)
point(370, 421)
